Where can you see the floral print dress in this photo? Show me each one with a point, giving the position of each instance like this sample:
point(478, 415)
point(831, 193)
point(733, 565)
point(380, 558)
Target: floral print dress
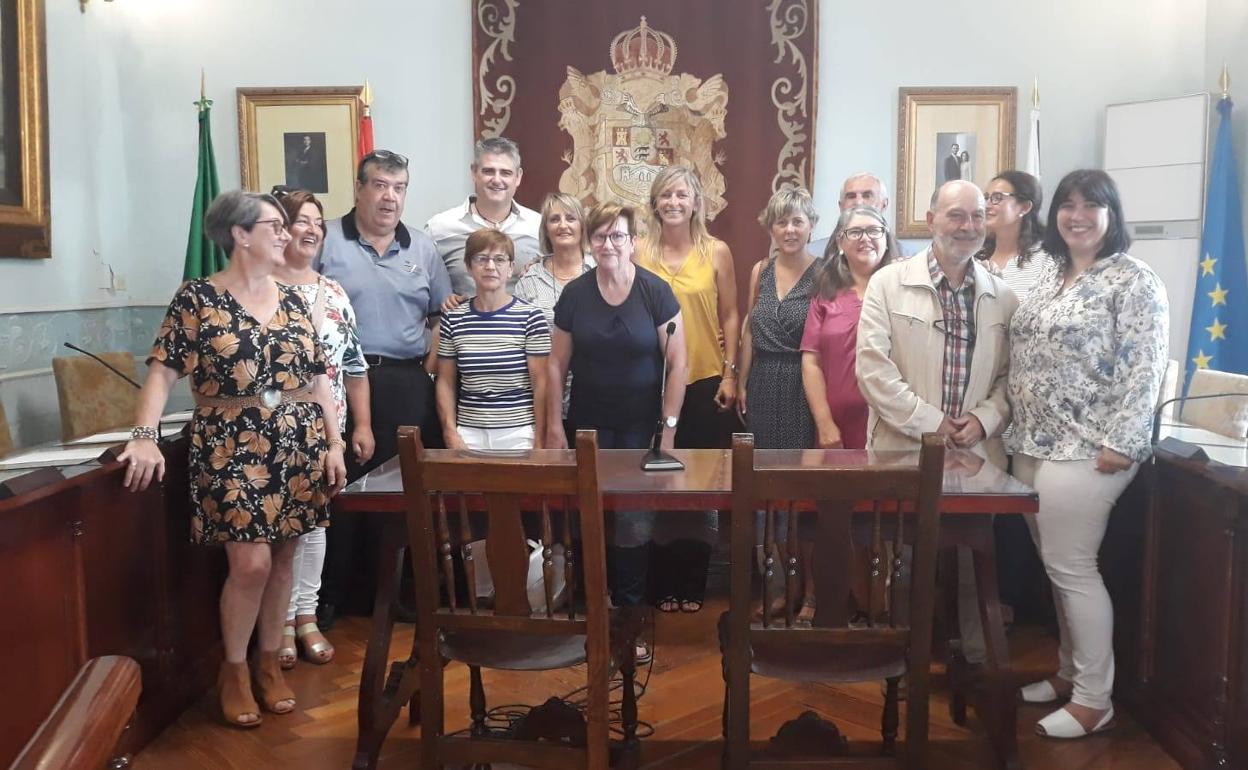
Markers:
point(256, 474)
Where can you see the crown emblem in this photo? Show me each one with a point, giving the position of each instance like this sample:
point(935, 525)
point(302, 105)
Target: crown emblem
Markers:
point(643, 49)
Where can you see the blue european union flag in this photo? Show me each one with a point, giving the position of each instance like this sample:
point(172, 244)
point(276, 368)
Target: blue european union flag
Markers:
point(1219, 335)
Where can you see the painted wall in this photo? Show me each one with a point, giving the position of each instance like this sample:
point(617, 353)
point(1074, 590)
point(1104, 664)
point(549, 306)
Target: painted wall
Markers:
point(122, 129)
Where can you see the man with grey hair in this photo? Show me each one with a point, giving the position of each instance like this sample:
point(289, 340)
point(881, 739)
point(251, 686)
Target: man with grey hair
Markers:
point(932, 356)
point(496, 173)
point(864, 189)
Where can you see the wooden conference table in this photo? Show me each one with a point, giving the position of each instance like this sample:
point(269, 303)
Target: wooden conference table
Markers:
point(973, 490)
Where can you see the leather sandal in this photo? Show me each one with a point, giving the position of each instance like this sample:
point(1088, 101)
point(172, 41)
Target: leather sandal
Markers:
point(275, 694)
point(320, 652)
point(668, 603)
point(1039, 692)
point(1062, 724)
point(236, 699)
point(287, 655)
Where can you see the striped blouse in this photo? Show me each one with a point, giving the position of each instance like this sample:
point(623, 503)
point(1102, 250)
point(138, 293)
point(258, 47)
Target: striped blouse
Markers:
point(491, 352)
point(1021, 278)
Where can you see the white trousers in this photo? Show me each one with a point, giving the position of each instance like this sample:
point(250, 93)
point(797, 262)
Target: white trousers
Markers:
point(1075, 501)
point(497, 438)
point(306, 585)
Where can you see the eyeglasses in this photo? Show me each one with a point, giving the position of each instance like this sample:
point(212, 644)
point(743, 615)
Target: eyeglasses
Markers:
point(995, 198)
point(617, 238)
point(964, 331)
point(278, 225)
point(857, 233)
point(481, 260)
point(385, 156)
point(281, 191)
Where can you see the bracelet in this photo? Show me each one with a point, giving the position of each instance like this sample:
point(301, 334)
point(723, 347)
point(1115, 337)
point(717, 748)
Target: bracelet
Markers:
point(730, 366)
point(144, 431)
point(337, 443)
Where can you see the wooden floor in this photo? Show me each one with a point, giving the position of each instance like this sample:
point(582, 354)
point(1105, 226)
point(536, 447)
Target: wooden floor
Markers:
point(682, 702)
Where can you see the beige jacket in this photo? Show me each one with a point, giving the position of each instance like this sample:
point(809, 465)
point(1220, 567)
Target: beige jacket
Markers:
point(900, 356)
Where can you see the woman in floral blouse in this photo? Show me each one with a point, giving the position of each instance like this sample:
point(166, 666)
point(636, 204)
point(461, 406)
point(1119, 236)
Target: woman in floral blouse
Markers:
point(334, 321)
point(265, 450)
point(1087, 352)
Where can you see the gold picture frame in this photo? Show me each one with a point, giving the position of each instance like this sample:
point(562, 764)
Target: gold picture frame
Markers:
point(949, 133)
point(304, 138)
point(25, 213)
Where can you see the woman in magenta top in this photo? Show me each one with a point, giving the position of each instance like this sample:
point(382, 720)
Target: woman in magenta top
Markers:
point(860, 245)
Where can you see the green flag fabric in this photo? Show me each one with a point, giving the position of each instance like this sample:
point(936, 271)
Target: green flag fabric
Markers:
point(203, 257)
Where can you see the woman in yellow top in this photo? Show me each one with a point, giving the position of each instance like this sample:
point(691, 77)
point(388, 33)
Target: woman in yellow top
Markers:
point(699, 269)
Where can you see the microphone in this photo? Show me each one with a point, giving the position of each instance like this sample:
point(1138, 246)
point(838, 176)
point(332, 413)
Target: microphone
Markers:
point(117, 372)
point(1178, 447)
point(656, 459)
point(106, 364)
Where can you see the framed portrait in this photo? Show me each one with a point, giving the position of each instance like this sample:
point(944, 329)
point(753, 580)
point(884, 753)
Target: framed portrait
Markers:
point(303, 138)
point(946, 134)
point(25, 217)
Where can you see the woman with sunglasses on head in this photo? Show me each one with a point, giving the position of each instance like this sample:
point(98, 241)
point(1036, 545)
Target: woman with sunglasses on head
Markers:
point(563, 242)
point(611, 332)
point(1087, 355)
point(334, 321)
point(265, 450)
point(492, 351)
point(699, 268)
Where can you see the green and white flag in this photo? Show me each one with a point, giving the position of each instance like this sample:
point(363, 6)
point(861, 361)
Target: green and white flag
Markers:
point(203, 257)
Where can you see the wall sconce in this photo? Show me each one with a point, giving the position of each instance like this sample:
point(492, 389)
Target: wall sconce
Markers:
point(82, 4)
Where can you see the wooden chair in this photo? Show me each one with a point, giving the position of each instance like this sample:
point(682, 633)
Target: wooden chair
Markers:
point(885, 646)
point(561, 491)
point(82, 731)
point(91, 397)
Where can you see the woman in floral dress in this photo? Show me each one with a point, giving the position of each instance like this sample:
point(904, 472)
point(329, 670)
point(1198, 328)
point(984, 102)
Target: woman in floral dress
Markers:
point(335, 326)
point(265, 449)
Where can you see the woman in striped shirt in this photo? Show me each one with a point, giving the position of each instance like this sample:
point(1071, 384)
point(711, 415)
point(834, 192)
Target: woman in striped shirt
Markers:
point(492, 354)
point(1012, 219)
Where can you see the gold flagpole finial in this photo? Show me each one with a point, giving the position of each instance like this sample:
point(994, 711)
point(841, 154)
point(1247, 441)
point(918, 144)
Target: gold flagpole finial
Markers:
point(204, 102)
point(1224, 81)
point(1035, 93)
point(367, 95)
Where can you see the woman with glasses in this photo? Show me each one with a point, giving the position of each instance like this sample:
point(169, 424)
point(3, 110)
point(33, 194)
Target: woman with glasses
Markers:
point(860, 245)
point(1012, 220)
point(492, 351)
point(770, 396)
point(611, 332)
point(265, 449)
point(334, 321)
point(562, 239)
point(1087, 355)
point(699, 269)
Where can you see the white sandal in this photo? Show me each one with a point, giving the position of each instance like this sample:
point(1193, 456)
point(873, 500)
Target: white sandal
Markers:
point(320, 652)
point(1062, 724)
point(1038, 692)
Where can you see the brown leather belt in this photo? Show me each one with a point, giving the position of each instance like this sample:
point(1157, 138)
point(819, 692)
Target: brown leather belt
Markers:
point(269, 398)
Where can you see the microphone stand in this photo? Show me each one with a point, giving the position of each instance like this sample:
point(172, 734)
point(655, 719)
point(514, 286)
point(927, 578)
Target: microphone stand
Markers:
point(1176, 446)
point(656, 459)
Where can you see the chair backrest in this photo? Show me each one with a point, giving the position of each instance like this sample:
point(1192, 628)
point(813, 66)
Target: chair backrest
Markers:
point(6, 438)
point(786, 487)
point(1170, 382)
point(92, 398)
point(559, 494)
point(1227, 416)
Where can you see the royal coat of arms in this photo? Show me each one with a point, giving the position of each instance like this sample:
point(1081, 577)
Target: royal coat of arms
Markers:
point(627, 126)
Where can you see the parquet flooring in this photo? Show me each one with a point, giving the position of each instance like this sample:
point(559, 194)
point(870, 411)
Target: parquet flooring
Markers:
point(682, 701)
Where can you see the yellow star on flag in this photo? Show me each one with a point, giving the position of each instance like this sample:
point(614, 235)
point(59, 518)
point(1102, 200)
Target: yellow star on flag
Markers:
point(1217, 331)
point(1206, 267)
point(1219, 295)
point(1201, 360)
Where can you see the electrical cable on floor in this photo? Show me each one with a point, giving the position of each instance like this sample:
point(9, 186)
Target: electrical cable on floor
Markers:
point(502, 719)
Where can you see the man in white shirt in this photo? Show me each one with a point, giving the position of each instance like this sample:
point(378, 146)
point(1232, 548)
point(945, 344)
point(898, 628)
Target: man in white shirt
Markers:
point(496, 173)
point(864, 189)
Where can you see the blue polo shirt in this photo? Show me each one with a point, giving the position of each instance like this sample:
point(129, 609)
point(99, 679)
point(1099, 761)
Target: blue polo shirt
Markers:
point(392, 293)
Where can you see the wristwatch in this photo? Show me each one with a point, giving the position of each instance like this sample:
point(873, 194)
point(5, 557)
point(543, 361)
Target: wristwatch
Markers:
point(670, 422)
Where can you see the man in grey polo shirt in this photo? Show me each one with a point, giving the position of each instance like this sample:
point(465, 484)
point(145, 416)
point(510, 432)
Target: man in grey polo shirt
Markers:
point(397, 284)
point(496, 173)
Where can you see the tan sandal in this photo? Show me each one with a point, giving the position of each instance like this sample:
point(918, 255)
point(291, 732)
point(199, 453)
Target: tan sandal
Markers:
point(237, 703)
point(275, 694)
point(320, 652)
point(287, 654)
